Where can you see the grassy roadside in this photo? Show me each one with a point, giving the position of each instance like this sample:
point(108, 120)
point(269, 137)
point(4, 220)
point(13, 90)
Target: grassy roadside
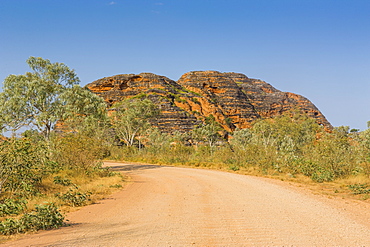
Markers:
point(89, 190)
point(100, 187)
point(340, 188)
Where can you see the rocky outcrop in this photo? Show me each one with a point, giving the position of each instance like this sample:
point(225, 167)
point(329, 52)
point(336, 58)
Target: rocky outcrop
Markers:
point(270, 102)
point(225, 99)
point(235, 100)
point(174, 102)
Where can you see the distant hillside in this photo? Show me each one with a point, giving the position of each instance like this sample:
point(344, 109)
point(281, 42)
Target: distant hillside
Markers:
point(232, 98)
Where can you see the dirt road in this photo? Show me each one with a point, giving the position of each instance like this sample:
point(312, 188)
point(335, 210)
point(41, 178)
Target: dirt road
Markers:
point(169, 206)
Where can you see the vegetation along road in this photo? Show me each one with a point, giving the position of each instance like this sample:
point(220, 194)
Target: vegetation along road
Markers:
point(171, 206)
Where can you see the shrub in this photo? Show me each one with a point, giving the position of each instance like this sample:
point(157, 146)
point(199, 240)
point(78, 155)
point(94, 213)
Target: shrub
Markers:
point(62, 181)
point(21, 166)
point(12, 207)
point(103, 171)
point(234, 168)
point(322, 176)
point(358, 189)
point(77, 151)
point(45, 217)
point(74, 198)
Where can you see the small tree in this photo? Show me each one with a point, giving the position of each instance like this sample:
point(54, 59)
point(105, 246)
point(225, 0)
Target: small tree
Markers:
point(241, 138)
point(84, 111)
point(131, 118)
point(208, 132)
point(42, 97)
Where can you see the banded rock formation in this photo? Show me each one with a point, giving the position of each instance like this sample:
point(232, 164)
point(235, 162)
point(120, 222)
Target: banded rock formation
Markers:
point(235, 100)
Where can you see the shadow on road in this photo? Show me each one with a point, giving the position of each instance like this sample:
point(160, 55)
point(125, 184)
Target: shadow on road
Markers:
point(130, 167)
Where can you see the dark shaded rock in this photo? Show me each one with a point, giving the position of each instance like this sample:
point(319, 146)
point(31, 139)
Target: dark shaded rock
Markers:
point(270, 102)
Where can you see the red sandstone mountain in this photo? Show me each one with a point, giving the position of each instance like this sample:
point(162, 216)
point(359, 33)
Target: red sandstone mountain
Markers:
point(232, 98)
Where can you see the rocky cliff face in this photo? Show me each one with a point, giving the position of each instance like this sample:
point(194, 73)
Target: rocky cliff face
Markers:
point(270, 102)
point(232, 98)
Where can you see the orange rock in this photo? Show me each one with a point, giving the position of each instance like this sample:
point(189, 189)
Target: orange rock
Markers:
point(235, 100)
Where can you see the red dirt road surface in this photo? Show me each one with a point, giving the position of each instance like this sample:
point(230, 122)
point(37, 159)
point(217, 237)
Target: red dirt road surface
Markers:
point(171, 206)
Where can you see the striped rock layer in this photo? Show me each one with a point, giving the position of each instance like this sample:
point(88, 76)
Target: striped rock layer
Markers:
point(234, 100)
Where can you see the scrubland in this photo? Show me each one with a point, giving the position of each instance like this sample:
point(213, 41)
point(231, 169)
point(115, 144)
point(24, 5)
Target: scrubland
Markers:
point(292, 148)
point(55, 165)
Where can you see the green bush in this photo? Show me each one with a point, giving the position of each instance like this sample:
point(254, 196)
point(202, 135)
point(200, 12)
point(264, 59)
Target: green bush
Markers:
point(62, 181)
point(358, 189)
point(22, 164)
point(74, 198)
point(43, 218)
point(234, 168)
point(289, 144)
point(103, 171)
point(12, 207)
point(321, 176)
point(77, 151)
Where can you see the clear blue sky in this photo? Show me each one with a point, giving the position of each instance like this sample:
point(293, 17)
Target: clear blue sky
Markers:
point(317, 48)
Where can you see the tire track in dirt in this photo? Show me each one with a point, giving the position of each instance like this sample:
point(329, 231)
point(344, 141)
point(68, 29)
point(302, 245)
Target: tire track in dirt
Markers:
point(171, 206)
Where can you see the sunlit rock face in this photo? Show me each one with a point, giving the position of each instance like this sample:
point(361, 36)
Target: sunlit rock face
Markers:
point(270, 102)
point(234, 100)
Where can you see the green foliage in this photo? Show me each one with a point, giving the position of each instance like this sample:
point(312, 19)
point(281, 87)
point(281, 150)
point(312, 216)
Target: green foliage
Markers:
point(291, 144)
point(101, 171)
point(34, 99)
point(140, 96)
point(322, 175)
point(241, 138)
point(21, 166)
point(131, 119)
point(41, 100)
point(158, 142)
point(84, 111)
point(26, 162)
point(358, 189)
point(195, 100)
point(208, 132)
point(11, 226)
point(12, 207)
point(192, 92)
point(229, 121)
point(45, 96)
point(285, 133)
point(116, 186)
point(330, 156)
point(363, 151)
point(78, 151)
point(74, 198)
point(234, 168)
point(177, 97)
point(62, 181)
point(43, 218)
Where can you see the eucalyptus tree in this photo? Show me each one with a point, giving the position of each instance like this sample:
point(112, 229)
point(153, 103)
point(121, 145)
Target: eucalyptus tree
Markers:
point(241, 138)
point(130, 119)
point(84, 111)
point(43, 97)
point(207, 132)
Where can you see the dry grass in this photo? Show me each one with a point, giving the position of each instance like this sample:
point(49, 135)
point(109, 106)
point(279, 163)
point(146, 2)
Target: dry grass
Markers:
point(337, 188)
point(99, 187)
